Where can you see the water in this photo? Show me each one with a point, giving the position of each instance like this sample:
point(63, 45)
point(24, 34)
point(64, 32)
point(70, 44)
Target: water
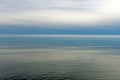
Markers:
point(59, 57)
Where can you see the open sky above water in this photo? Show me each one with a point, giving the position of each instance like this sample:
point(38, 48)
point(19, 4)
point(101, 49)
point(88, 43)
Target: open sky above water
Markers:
point(59, 17)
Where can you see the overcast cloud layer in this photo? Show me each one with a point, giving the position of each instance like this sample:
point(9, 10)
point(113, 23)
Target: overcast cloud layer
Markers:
point(55, 12)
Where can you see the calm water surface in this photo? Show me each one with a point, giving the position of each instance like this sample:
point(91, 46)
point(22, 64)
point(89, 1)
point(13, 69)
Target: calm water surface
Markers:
point(59, 57)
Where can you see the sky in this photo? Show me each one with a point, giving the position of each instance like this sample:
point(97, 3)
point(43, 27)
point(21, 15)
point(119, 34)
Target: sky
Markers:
point(60, 16)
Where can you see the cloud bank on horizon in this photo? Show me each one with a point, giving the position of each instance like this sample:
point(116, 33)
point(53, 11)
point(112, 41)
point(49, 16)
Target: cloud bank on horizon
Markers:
point(56, 12)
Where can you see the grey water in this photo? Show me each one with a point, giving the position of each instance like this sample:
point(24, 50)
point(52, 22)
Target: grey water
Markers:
point(59, 57)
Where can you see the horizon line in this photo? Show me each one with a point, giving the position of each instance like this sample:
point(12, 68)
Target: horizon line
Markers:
point(60, 35)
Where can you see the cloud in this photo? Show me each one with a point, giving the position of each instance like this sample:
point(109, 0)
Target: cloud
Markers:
point(48, 4)
point(49, 16)
point(2, 6)
point(76, 12)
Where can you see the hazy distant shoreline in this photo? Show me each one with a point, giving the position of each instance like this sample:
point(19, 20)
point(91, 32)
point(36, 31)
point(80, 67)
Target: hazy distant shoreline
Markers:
point(58, 35)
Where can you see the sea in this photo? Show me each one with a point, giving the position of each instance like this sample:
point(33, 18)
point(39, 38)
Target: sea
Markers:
point(59, 57)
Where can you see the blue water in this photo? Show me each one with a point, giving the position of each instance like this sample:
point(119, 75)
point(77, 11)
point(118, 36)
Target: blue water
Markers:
point(59, 57)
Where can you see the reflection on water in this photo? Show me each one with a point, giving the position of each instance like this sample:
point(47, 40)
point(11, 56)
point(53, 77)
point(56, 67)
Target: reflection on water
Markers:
point(59, 58)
